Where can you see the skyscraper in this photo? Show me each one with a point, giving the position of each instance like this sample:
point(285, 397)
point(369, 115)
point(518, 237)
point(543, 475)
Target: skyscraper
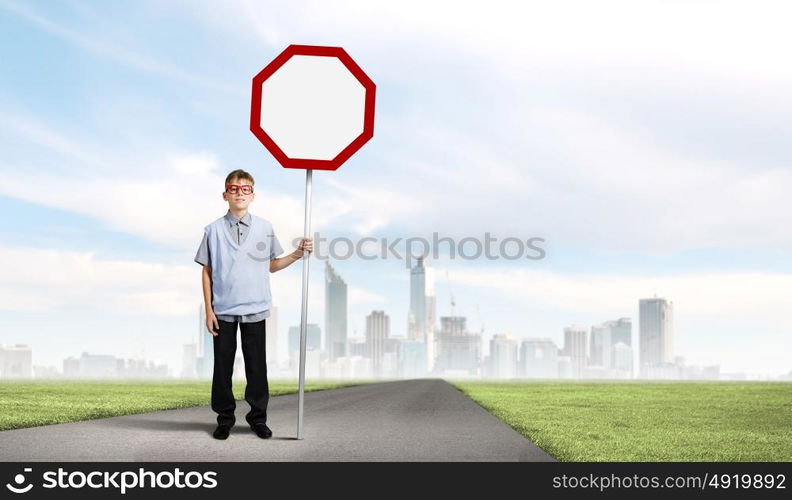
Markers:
point(656, 333)
point(71, 367)
point(98, 365)
point(412, 362)
point(457, 349)
point(421, 317)
point(377, 330)
point(622, 358)
point(272, 337)
point(621, 331)
point(575, 348)
point(603, 339)
point(538, 358)
point(600, 346)
point(503, 356)
point(335, 314)
point(313, 340)
point(206, 341)
point(189, 360)
point(16, 361)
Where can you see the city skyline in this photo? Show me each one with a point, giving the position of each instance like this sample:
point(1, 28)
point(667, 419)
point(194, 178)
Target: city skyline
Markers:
point(647, 168)
point(598, 351)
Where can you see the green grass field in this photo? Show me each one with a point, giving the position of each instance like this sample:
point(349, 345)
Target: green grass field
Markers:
point(573, 421)
point(646, 422)
point(33, 403)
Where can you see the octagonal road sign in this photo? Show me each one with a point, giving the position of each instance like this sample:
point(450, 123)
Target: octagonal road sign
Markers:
point(312, 107)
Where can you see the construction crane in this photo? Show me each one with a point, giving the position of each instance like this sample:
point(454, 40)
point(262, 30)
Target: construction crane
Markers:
point(451, 294)
point(478, 319)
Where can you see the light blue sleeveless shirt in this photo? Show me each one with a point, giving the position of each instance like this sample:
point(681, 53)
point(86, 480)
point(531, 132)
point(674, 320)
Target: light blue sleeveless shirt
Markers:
point(240, 272)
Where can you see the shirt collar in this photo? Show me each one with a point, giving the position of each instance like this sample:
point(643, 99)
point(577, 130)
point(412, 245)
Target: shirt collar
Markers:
point(231, 218)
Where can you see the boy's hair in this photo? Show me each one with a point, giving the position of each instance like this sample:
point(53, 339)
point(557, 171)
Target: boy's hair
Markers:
point(239, 174)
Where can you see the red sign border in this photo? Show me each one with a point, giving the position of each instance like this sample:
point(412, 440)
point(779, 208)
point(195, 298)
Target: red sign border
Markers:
point(368, 115)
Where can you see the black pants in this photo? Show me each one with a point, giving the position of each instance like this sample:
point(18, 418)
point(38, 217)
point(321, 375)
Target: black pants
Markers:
point(255, 355)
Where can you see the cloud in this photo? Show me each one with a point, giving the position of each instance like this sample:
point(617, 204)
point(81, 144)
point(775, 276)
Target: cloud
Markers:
point(43, 136)
point(738, 320)
point(358, 295)
point(526, 38)
point(755, 297)
point(536, 110)
point(88, 179)
point(45, 280)
point(523, 140)
point(363, 208)
point(611, 127)
point(107, 49)
point(152, 209)
point(143, 193)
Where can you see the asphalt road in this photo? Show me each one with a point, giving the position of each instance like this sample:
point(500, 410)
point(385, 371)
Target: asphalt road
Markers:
point(409, 420)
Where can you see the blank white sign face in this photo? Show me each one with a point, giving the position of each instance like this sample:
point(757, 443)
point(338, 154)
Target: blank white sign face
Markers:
point(312, 107)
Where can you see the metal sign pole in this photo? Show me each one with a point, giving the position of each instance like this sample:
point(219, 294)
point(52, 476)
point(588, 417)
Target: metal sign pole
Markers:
point(304, 316)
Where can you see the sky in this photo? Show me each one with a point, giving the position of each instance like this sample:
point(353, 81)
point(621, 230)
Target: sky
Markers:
point(646, 143)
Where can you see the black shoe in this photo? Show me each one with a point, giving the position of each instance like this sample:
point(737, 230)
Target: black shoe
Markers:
point(222, 431)
point(261, 430)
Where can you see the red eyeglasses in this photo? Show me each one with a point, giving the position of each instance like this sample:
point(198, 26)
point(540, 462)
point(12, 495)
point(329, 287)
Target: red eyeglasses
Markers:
point(235, 188)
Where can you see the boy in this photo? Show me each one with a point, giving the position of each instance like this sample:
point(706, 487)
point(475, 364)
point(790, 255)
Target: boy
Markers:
point(238, 251)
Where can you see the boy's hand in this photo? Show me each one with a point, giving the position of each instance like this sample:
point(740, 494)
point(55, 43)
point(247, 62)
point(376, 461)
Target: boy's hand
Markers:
point(306, 244)
point(212, 325)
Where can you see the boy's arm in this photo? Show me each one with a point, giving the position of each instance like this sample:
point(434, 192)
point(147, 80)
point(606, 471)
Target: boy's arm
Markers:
point(211, 319)
point(203, 258)
point(284, 262)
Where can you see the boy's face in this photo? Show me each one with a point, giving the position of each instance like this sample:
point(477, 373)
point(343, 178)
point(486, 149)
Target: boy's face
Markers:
point(238, 200)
